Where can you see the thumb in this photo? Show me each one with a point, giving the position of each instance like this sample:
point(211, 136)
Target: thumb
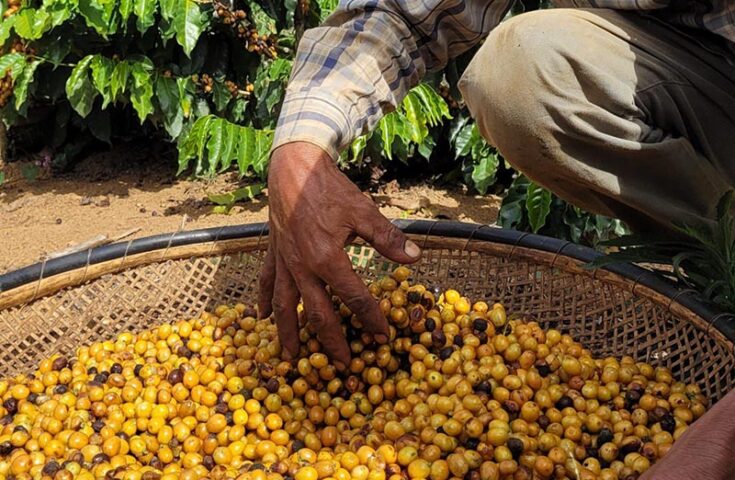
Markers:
point(387, 239)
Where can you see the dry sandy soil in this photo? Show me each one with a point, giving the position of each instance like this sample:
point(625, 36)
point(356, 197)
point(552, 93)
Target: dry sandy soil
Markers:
point(113, 193)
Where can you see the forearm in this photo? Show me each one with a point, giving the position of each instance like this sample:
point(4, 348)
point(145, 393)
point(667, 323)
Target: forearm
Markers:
point(358, 66)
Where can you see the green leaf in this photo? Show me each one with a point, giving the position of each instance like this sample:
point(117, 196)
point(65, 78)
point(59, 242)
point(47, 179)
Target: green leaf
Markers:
point(392, 126)
point(225, 201)
point(231, 133)
point(166, 30)
point(480, 148)
point(15, 63)
point(126, 9)
point(119, 79)
point(99, 15)
point(215, 145)
point(2, 177)
point(260, 163)
point(222, 209)
point(214, 142)
point(244, 193)
point(221, 95)
point(202, 143)
point(483, 172)
point(358, 147)
point(174, 125)
point(327, 7)
point(434, 106)
point(280, 69)
point(186, 92)
point(512, 210)
point(246, 150)
point(422, 107)
point(79, 89)
point(253, 149)
point(200, 107)
point(263, 22)
point(168, 9)
point(192, 145)
point(6, 27)
point(463, 141)
point(538, 206)
point(270, 85)
point(167, 94)
point(469, 142)
point(238, 111)
point(185, 144)
point(141, 89)
point(286, 40)
point(31, 23)
point(55, 46)
point(426, 147)
point(145, 10)
point(189, 22)
point(222, 198)
point(59, 11)
point(99, 124)
point(20, 89)
point(416, 119)
point(102, 68)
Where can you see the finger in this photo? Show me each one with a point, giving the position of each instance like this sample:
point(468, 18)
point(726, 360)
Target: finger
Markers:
point(387, 239)
point(348, 286)
point(320, 315)
point(284, 303)
point(266, 281)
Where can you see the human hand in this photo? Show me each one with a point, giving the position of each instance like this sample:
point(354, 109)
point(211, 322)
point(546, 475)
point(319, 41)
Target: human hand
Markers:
point(315, 211)
point(706, 451)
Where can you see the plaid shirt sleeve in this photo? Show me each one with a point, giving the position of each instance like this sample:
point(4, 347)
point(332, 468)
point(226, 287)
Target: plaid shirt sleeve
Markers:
point(360, 64)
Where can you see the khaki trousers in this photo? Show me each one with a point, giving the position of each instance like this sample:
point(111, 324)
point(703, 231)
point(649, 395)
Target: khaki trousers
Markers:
point(615, 112)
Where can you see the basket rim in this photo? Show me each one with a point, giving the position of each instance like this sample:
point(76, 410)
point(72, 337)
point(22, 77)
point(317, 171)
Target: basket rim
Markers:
point(687, 298)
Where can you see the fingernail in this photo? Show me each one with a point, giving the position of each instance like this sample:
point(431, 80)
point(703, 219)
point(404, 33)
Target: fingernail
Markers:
point(339, 366)
point(381, 338)
point(411, 249)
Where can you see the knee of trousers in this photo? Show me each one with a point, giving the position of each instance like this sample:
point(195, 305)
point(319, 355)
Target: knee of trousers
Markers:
point(519, 86)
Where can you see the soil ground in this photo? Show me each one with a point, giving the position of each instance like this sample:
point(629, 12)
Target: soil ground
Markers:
point(115, 192)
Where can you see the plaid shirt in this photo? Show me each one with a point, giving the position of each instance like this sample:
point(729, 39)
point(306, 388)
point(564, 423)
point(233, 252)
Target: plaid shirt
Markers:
point(360, 64)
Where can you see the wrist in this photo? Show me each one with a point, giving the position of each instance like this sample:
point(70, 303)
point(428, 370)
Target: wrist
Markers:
point(298, 155)
point(325, 145)
point(294, 164)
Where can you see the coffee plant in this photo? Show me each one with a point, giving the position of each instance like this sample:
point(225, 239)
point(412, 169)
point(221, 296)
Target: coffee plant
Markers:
point(209, 76)
point(701, 257)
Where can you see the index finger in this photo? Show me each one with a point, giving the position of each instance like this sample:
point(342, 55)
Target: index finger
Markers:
point(320, 314)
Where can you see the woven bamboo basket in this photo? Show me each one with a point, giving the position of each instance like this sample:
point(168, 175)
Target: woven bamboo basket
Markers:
point(71, 301)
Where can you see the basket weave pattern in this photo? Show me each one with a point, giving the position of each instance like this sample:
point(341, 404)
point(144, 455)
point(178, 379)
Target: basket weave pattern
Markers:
point(607, 318)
